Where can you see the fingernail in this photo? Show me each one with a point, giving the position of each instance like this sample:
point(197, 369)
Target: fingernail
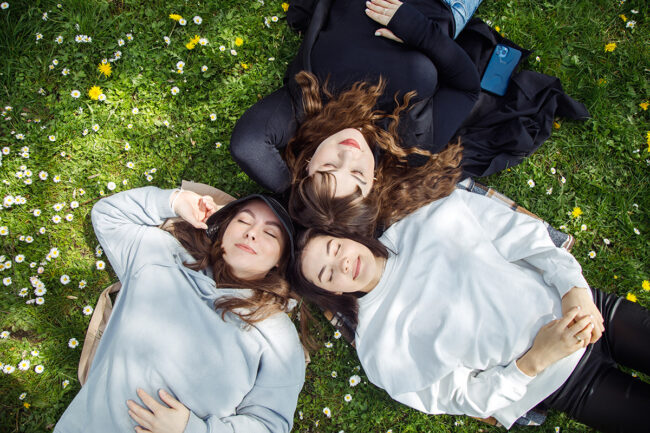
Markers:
point(591, 316)
point(578, 307)
point(377, 33)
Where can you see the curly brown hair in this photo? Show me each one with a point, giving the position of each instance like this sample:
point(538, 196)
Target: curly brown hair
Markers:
point(399, 188)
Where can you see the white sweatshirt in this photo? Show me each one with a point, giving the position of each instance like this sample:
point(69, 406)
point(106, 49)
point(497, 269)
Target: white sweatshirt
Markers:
point(463, 296)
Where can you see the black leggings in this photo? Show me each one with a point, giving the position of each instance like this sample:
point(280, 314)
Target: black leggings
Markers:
point(599, 394)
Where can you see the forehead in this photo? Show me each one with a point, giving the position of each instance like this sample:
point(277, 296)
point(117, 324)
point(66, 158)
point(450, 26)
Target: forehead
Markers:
point(259, 210)
point(312, 256)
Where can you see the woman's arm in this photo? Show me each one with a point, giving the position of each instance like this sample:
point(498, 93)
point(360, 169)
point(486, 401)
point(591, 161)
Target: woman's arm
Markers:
point(482, 393)
point(260, 136)
point(459, 82)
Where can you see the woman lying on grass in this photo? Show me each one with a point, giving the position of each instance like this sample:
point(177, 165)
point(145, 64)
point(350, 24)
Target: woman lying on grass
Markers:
point(237, 369)
point(466, 307)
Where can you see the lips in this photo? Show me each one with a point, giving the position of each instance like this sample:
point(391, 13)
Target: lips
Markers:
point(246, 248)
point(357, 268)
point(351, 142)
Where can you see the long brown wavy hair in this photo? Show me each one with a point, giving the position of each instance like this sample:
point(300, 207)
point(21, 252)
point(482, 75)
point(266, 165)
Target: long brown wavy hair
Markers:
point(398, 190)
point(270, 294)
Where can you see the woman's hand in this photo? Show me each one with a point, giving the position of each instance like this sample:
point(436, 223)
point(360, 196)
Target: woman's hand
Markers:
point(556, 340)
point(158, 418)
point(382, 11)
point(194, 208)
point(580, 297)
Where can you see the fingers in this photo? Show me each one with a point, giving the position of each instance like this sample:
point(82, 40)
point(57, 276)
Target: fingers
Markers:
point(169, 400)
point(388, 35)
point(139, 414)
point(377, 5)
point(149, 400)
point(569, 316)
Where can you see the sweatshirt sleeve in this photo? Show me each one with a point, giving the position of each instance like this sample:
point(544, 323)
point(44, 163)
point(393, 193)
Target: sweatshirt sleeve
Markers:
point(470, 392)
point(121, 221)
point(270, 405)
point(517, 236)
point(459, 82)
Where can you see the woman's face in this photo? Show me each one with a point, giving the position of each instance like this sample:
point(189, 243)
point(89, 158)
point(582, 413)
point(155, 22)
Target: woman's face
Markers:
point(340, 265)
point(253, 241)
point(347, 156)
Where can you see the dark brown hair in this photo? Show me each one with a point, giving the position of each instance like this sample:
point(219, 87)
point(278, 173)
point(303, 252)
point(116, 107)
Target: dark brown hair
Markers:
point(345, 304)
point(270, 294)
point(398, 190)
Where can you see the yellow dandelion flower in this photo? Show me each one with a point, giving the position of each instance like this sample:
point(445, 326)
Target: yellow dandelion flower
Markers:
point(497, 28)
point(644, 105)
point(195, 40)
point(26, 405)
point(616, 277)
point(94, 92)
point(175, 17)
point(623, 17)
point(105, 68)
point(645, 285)
point(239, 41)
point(190, 45)
point(285, 6)
point(631, 297)
point(610, 47)
point(556, 125)
point(576, 212)
point(244, 65)
point(601, 81)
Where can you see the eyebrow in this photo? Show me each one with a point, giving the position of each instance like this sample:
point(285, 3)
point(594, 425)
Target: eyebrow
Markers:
point(361, 181)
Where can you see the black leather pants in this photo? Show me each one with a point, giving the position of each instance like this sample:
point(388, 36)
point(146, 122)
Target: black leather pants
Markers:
point(599, 394)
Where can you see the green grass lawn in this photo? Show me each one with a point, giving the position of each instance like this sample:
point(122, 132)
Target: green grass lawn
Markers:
point(163, 121)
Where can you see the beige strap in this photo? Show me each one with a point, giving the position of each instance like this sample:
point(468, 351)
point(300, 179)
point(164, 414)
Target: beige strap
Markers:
point(96, 328)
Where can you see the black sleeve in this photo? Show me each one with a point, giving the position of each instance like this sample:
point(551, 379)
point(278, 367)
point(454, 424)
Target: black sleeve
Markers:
point(299, 14)
point(259, 138)
point(459, 83)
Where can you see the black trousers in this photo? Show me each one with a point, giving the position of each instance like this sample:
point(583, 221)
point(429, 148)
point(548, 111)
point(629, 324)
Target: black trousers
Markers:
point(599, 394)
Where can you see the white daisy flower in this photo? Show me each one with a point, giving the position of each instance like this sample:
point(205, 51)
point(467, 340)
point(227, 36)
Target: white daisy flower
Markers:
point(233, 52)
point(35, 352)
point(111, 186)
point(175, 90)
point(4, 5)
point(82, 284)
point(562, 179)
point(213, 116)
point(24, 365)
point(334, 374)
point(65, 383)
point(42, 230)
point(203, 42)
point(328, 344)
point(40, 291)
point(5, 334)
point(59, 39)
point(130, 165)
point(606, 241)
point(182, 21)
point(549, 191)
point(274, 19)
point(95, 127)
point(592, 254)
point(4, 230)
point(69, 217)
point(56, 219)
point(222, 48)
point(583, 227)
point(42, 175)
point(51, 138)
point(56, 178)
point(39, 369)
point(531, 183)
point(354, 380)
point(180, 64)
point(19, 258)
point(6, 281)
point(54, 252)
point(337, 334)
point(84, 132)
point(197, 20)
point(39, 36)
point(347, 398)
point(149, 178)
point(87, 310)
point(23, 292)
point(135, 110)
point(120, 42)
point(167, 40)
point(101, 97)
point(64, 279)
point(636, 231)
point(73, 343)
point(55, 62)
point(129, 37)
point(8, 369)
point(327, 412)
point(100, 265)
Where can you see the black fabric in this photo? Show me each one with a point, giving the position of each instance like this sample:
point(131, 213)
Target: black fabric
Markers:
point(599, 394)
point(501, 131)
point(497, 132)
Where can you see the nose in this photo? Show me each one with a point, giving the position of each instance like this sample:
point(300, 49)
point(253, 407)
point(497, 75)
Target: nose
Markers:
point(251, 233)
point(345, 265)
